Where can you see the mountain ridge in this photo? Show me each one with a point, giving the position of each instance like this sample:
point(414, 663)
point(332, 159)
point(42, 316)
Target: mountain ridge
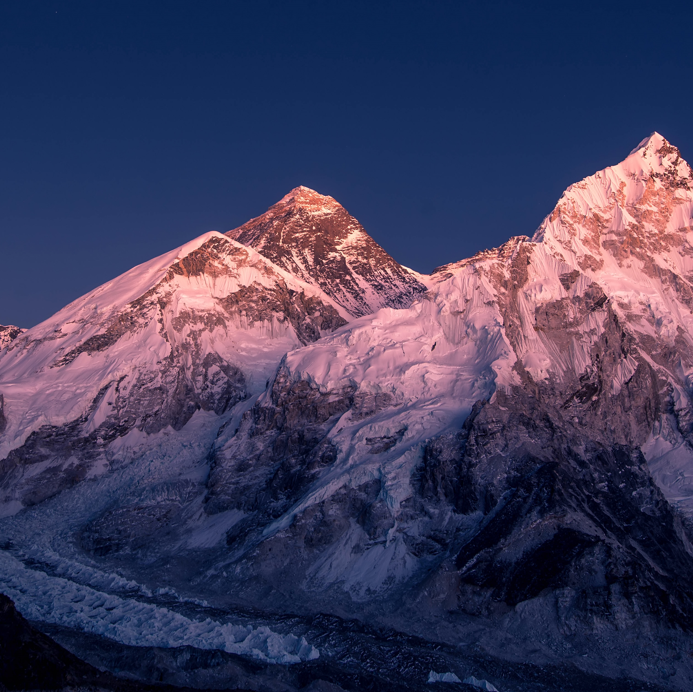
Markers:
point(504, 454)
point(127, 334)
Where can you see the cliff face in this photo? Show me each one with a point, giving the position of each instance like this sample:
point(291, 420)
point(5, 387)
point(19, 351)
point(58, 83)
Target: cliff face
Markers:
point(8, 334)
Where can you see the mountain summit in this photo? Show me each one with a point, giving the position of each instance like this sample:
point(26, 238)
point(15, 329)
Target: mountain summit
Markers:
point(306, 198)
point(316, 239)
point(636, 211)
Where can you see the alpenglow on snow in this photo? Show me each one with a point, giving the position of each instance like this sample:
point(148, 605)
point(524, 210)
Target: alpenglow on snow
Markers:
point(281, 444)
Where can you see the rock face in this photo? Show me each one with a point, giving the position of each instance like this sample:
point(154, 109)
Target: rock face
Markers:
point(505, 459)
point(8, 334)
point(314, 238)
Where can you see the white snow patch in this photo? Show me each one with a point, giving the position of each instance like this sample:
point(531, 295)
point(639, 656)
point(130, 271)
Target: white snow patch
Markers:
point(670, 460)
point(442, 677)
point(481, 684)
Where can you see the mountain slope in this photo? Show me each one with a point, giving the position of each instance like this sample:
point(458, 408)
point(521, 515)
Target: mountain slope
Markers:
point(630, 229)
point(314, 238)
point(200, 328)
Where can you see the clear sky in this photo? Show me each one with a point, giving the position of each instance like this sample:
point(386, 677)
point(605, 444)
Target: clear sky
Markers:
point(128, 128)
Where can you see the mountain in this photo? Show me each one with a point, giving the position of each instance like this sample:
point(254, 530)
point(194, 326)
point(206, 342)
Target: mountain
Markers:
point(201, 328)
point(491, 478)
point(314, 238)
point(8, 334)
point(628, 228)
point(486, 449)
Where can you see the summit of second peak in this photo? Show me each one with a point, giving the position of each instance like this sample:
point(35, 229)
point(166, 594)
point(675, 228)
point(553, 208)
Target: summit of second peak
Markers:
point(656, 156)
point(655, 145)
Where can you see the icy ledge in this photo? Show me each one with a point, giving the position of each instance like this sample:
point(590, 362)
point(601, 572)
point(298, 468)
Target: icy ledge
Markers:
point(59, 601)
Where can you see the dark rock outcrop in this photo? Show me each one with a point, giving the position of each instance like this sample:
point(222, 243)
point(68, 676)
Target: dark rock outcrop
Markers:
point(279, 450)
point(8, 333)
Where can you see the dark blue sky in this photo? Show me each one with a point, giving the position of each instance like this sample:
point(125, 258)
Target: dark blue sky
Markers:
point(127, 128)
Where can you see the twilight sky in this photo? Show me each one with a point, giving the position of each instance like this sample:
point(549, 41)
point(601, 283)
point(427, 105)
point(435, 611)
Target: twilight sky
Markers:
point(128, 128)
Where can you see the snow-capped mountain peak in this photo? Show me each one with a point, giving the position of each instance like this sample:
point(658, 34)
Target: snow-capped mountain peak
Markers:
point(655, 156)
point(316, 239)
point(307, 199)
point(514, 442)
point(657, 150)
point(213, 316)
point(634, 216)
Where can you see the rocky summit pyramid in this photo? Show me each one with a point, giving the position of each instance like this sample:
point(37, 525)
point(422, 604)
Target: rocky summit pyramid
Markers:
point(490, 478)
point(316, 239)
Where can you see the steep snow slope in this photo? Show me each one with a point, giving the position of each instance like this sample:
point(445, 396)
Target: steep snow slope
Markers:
point(630, 229)
point(202, 327)
point(314, 237)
